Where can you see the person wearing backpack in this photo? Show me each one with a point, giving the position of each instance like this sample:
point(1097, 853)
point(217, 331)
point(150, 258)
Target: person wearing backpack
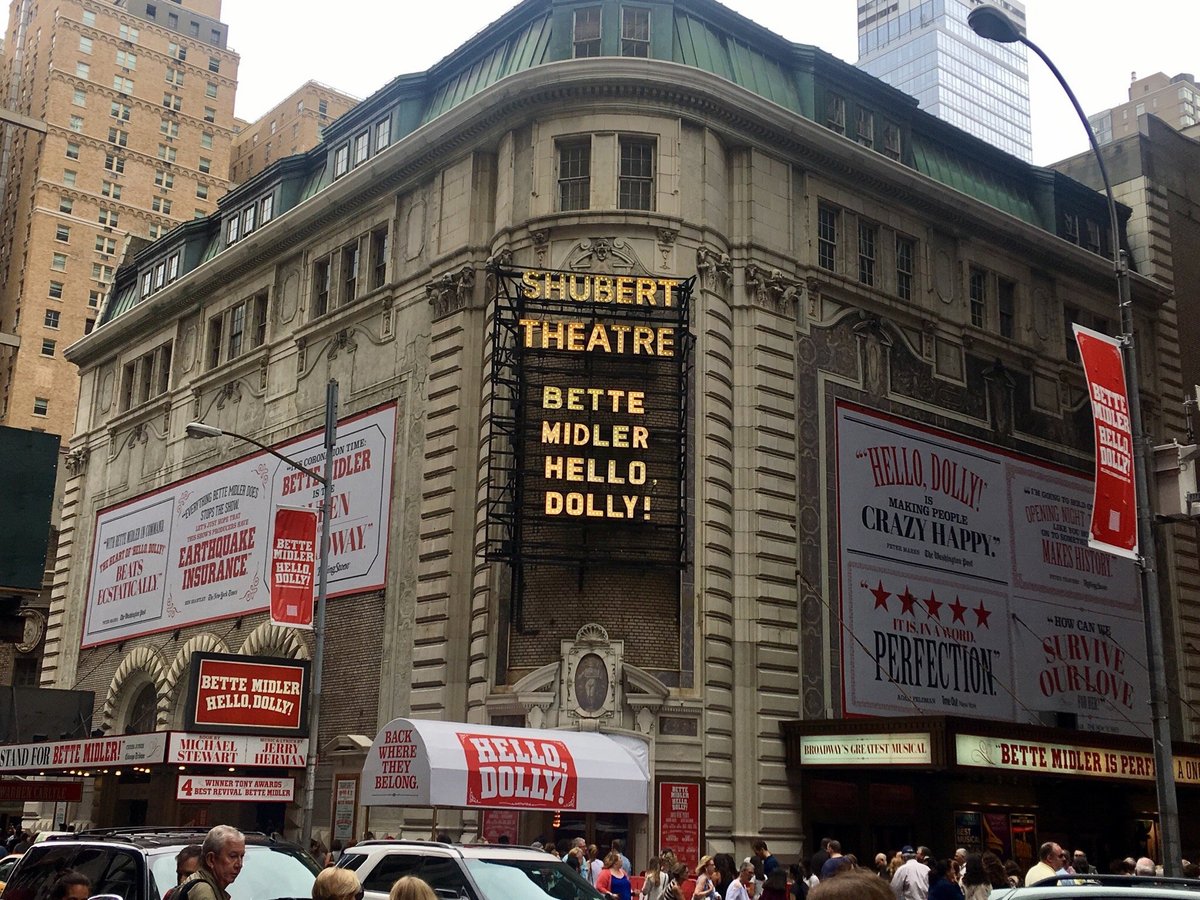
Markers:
point(221, 857)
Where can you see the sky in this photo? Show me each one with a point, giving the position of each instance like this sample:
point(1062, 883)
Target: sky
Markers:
point(1095, 43)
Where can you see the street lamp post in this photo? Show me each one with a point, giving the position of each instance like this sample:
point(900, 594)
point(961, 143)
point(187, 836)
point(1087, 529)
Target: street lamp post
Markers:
point(325, 479)
point(994, 24)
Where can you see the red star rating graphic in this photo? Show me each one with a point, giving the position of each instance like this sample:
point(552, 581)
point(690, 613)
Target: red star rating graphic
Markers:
point(959, 610)
point(934, 606)
point(981, 616)
point(907, 600)
point(880, 596)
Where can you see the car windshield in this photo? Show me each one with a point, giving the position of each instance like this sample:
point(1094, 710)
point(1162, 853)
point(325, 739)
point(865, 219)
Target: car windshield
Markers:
point(527, 879)
point(268, 873)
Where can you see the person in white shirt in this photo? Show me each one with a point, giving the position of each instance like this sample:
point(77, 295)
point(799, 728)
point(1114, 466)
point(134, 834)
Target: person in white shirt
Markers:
point(742, 887)
point(911, 881)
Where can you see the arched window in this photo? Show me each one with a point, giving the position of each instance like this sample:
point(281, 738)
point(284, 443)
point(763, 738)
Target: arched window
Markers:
point(143, 711)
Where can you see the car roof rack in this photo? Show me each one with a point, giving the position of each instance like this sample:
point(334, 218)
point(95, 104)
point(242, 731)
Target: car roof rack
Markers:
point(1110, 880)
point(155, 835)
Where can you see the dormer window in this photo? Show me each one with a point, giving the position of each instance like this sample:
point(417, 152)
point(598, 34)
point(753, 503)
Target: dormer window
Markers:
point(835, 113)
point(635, 32)
point(586, 32)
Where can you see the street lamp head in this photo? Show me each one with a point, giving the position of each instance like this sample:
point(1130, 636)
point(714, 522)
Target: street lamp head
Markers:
point(993, 24)
point(200, 430)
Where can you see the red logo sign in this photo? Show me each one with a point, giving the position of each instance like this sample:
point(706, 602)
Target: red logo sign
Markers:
point(249, 694)
point(519, 773)
point(41, 791)
point(1114, 509)
point(293, 567)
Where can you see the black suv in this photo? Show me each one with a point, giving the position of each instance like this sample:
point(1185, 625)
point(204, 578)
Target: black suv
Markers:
point(139, 864)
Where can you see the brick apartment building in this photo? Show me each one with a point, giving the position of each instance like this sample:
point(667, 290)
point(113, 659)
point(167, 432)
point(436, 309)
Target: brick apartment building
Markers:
point(138, 103)
point(294, 125)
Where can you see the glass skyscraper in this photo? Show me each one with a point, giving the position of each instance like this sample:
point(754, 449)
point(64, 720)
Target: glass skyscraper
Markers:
point(925, 48)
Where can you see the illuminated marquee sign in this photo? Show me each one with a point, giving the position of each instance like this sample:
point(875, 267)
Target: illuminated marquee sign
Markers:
point(906, 749)
point(588, 417)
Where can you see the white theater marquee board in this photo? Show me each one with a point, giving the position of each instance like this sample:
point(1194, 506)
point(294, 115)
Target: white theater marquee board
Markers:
point(967, 576)
point(199, 550)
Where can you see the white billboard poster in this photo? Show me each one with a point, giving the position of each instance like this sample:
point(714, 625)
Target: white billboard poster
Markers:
point(200, 549)
point(968, 587)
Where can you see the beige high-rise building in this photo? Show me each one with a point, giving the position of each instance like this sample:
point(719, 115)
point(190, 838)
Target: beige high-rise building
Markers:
point(1174, 99)
point(294, 125)
point(138, 104)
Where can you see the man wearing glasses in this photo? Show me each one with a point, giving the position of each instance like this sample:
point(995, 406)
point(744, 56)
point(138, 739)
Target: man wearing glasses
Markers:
point(1053, 859)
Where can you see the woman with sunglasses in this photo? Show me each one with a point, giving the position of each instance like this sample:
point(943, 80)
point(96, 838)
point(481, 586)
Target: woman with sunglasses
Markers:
point(337, 884)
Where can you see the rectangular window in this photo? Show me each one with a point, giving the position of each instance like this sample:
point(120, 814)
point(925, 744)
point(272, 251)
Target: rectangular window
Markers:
point(202, 192)
point(259, 334)
point(977, 291)
point(341, 160)
point(866, 128)
point(383, 134)
point(79, 97)
point(109, 189)
point(167, 153)
point(72, 150)
point(905, 259)
point(574, 174)
point(85, 44)
point(206, 140)
point(194, 28)
point(94, 299)
point(147, 283)
point(1006, 305)
point(128, 377)
point(164, 179)
point(126, 60)
point(63, 233)
point(635, 31)
point(237, 329)
point(89, 326)
point(635, 185)
point(50, 320)
point(361, 146)
point(1093, 235)
point(41, 406)
point(321, 277)
point(379, 255)
point(83, 70)
point(76, 123)
point(106, 244)
point(47, 347)
point(108, 217)
point(1071, 227)
point(867, 239)
point(214, 65)
point(120, 111)
point(175, 102)
point(172, 267)
point(174, 50)
point(56, 290)
point(248, 222)
point(232, 230)
point(586, 32)
point(174, 76)
point(827, 237)
point(205, 165)
point(154, 230)
point(210, 114)
point(323, 107)
point(69, 176)
point(160, 275)
point(58, 262)
point(835, 112)
point(159, 205)
point(214, 36)
point(891, 140)
point(66, 205)
point(163, 366)
point(114, 163)
point(210, 90)
point(101, 272)
point(118, 136)
point(89, 18)
point(122, 85)
point(266, 209)
point(126, 33)
point(214, 341)
point(349, 272)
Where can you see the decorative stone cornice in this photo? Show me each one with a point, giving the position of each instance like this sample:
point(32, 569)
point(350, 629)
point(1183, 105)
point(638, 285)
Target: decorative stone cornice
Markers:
point(715, 268)
point(772, 289)
point(77, 459)
point(451, 291)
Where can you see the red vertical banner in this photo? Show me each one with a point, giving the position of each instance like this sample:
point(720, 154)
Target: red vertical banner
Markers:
point(293, 567)
point(1114, 505)
point(680, 827)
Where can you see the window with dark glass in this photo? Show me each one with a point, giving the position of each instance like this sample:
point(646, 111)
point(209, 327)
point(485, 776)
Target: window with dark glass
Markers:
point(891, 140)
point(260, 319)
point(214, 342)
point(321, 276)
point(143, 711)
point(379, 254)
point(867, 239)
point(237, 329)
point(635, 31)
point(1093, 235)
point(866, 127)
point(349, 272)
point(1071, 227)
point(977, 293)
point(835, 112)
point(587, 31)
point(574, 175)
point(905, 260)
point(827, 236)
point(361, 146)
point(1006, 306)
point(635, 185)
point(341, 160)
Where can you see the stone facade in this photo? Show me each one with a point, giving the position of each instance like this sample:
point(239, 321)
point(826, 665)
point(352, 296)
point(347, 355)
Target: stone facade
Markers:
point(785, 321)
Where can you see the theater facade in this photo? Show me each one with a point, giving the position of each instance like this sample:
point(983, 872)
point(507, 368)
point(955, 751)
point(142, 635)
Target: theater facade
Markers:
point(692, 382)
